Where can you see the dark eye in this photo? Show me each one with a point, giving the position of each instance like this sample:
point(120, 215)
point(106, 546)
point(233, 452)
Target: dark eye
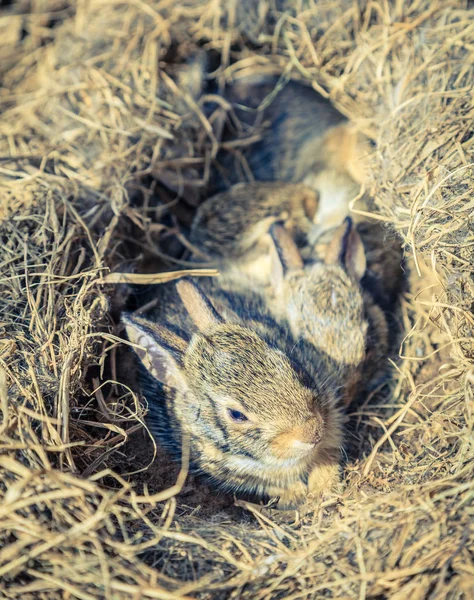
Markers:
point(236, 415)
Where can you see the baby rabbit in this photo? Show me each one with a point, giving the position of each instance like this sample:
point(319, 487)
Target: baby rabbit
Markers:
point(259, 419)
point(269, 129)
point(326, 306)
point(301, 137)
point(231, 228)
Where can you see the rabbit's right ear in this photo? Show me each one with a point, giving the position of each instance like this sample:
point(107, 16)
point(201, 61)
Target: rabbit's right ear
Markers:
point(285, 256)
point(160, 350)
point(347, 249)
point(198, 305)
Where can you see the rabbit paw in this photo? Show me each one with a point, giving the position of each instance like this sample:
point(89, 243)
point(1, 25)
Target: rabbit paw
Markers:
point(324, 479)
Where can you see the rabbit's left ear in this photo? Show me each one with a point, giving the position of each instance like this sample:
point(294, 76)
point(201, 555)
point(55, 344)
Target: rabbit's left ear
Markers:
point(347, 249)
point(285, 254)
point(160, 350)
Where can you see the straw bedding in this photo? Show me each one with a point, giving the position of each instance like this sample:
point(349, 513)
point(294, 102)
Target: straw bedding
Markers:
point(92, 120)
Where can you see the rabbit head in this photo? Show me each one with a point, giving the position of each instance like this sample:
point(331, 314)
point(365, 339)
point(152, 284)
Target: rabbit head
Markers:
point(252, 416)
point(323, 301)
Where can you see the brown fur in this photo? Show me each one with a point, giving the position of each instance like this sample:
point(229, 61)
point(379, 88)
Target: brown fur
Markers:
point(231, 228)
point(345, 151)
point(238, 361)
point(324, 304)
point(233, 223)
point(300, 136)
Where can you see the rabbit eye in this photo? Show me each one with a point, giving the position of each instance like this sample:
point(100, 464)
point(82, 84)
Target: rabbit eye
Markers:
point(237, 416)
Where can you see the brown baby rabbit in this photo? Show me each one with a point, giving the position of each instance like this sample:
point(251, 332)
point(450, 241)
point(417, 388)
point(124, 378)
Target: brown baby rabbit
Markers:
point(231, 228)
point(270, 128)
point(298, 136)
point(262, 422)
point(325, 305)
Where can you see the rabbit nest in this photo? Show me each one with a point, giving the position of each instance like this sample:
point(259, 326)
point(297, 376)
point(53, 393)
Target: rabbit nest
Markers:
point(92, 117)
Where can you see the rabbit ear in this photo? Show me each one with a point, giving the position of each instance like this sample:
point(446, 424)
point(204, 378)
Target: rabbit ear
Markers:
point(286, 256)
point(197, 304)
point(160, 350)
point(347, 249)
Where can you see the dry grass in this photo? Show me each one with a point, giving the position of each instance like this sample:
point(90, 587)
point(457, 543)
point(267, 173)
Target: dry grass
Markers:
point(91, 120)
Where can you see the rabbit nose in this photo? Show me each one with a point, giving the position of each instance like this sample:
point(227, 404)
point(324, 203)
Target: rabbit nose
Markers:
point(300, 440)
point(311, 437)
point(310, 432)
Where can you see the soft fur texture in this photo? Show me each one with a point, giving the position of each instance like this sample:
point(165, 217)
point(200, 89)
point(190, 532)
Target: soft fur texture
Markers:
point(287, 358)
point(234, 224)
point(289, 444)
point(299, 131)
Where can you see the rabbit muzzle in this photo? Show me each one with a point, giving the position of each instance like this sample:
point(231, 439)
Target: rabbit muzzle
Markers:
point(299, 442)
